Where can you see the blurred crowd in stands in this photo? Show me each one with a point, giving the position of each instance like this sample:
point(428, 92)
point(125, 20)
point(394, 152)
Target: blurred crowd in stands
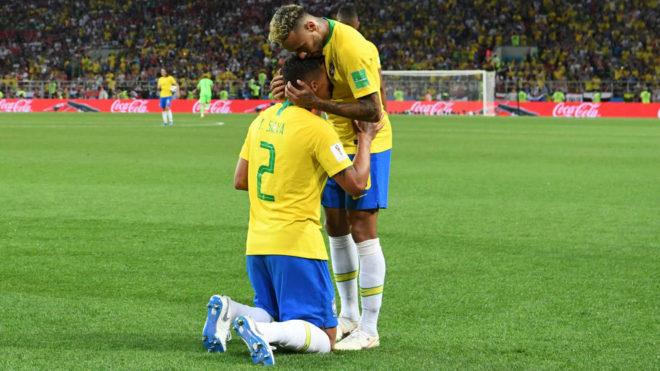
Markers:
point(92, 48)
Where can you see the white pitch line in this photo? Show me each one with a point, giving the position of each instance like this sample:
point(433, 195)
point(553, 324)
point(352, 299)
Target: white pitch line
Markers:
point(201, 125)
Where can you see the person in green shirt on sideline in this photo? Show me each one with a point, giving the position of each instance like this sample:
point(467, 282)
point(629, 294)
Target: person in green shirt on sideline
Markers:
point(123, 95)
point(254, 89)
point(558, 96)
point(224, 94)
point(399, 95)
point(645, 96)
point(2, 95)
point(522, 96)
point(262, 79)
point(52, 89)
point(205, 87)
point(597, 97)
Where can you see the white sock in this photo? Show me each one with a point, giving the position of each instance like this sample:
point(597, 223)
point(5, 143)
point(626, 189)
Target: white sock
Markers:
point(345, 267)
point(372, 278)
point(165, 117)
point(169, 115)
point(237, 309)
point(295, 335)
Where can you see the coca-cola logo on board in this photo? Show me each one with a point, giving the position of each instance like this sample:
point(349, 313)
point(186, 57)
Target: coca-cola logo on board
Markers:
point(579, 110)
point(433, 108)
point(21, 105)
point(133, 106)
point(218, 106)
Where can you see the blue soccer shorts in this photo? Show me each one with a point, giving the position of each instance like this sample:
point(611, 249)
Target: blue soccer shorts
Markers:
point(289, 287)
point(373, 198)
point(165, 102)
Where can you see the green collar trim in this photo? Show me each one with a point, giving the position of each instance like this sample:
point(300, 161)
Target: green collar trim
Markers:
point(331, 24)
point(286, 104)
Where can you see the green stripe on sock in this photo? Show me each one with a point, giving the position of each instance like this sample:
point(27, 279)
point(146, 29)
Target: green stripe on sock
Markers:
point(371, 291)
point(342, 277)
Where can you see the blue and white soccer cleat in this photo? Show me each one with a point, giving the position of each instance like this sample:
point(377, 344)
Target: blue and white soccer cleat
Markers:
point(260, 350)
point(216, 329)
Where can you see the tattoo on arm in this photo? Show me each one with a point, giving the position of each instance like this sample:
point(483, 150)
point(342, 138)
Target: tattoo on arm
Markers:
point(365, 109)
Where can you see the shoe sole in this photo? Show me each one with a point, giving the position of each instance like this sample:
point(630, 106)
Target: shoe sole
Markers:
point(259, 349)
point(211, 343)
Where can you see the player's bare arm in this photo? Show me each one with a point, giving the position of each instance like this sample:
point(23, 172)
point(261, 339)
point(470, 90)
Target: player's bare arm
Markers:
point(241, 175)
point(354, 179)
point(367, 108)
point(383, 96)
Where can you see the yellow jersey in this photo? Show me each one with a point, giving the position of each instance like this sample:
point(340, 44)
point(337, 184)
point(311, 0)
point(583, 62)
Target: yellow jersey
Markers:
point(165, 84)
point(352, 63)
point(290, 153)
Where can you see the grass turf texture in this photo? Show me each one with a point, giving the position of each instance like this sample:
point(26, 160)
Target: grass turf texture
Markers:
point(510, 243)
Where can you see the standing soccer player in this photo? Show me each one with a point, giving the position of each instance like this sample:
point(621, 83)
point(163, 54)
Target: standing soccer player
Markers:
point(347, 14)
point(167, 86)
point(288, 155)
point(352, 65)
point(205, 88)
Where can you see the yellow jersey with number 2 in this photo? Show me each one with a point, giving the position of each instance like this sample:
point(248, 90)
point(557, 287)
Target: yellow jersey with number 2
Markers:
point(352, 63)
point(291, 153)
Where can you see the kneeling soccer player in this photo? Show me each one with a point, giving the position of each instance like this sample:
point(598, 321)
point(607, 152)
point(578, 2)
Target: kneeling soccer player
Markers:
point(286, 159)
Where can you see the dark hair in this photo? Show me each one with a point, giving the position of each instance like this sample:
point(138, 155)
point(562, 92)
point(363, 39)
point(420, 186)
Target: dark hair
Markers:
point(347, 12)
point(301, 69)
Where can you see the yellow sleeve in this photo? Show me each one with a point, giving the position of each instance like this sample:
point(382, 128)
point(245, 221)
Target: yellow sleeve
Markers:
point(376, 56)
point(172, 80)
point(359, 66)
point(245, 150)
point(329, 151)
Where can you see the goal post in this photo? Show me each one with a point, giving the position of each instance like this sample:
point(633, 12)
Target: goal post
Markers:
point(451, 85)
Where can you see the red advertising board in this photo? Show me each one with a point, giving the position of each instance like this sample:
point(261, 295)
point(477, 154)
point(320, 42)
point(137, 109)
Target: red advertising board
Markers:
point(127, 105)
point(547, 109)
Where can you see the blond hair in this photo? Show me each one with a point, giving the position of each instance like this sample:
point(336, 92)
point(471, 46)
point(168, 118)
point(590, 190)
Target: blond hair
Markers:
point(284, 21)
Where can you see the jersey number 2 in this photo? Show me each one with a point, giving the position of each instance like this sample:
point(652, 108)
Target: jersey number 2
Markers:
point(266, 169)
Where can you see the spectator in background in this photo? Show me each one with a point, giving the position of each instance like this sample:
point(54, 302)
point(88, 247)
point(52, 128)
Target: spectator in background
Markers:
point(103, 94)
point(645, 96)
point(254, 89)
point(52, 88)
point(618, 41)
point(558, 96)
point(597, 96)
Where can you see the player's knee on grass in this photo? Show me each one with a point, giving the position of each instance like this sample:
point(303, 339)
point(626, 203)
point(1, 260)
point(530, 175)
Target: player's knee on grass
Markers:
point(336, 222)
point(363, 224)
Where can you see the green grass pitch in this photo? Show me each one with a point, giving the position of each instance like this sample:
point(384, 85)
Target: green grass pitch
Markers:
point(510, 242)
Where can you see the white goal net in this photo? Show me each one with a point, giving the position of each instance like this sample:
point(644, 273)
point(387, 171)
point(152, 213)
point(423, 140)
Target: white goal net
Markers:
point(451, 85)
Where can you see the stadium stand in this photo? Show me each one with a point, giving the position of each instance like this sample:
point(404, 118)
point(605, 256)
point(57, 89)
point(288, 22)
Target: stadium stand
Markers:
point(105, 47)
